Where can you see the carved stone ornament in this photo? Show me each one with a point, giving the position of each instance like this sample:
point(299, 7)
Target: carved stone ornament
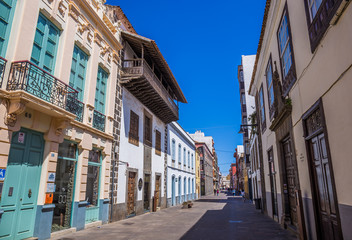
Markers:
point(104, 50)
point(62, 8)
point(89, 37)
point(82, 27)
point(14, 108)
point(74, 11)
point(98, 38)
point(60, 126)
point(115, 57)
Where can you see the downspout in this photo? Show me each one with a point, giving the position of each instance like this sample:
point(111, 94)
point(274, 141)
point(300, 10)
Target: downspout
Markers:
point(112, 183)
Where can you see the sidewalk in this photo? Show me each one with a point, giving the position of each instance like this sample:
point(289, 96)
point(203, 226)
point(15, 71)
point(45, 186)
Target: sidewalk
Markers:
point(211, 217)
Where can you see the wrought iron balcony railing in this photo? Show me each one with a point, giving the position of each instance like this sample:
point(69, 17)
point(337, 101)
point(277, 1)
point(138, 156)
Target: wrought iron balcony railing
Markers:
point(99, 120)
point(2, 69)
point(28, 77)
point(76, 107)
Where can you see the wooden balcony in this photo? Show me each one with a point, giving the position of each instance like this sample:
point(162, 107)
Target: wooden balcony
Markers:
point(141, 81)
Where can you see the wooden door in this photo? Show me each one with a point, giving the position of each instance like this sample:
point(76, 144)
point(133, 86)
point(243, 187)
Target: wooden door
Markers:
point(131, 193)
point(21, 186)
point(324, 189)
point(290, 185)
point(157, 190)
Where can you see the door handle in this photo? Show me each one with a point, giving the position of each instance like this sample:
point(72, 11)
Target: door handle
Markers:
point(30, 193)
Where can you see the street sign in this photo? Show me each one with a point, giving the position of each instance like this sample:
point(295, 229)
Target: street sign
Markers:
point(2, 174)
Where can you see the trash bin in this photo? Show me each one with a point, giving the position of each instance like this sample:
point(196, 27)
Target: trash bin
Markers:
point(257, 202)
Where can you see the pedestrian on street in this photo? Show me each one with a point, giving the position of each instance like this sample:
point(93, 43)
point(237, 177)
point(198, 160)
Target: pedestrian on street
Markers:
point(243, 195)
point(214, 192)
point(217, 192)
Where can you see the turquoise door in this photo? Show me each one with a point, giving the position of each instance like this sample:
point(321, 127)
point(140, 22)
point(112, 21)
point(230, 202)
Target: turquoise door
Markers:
point(20, 191)
point(93, 186)
point(173, 191)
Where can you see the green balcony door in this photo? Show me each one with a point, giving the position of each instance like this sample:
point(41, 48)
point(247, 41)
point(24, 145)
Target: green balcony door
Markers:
point(7, 9)
point(100, 90)
point(20, 190)
point(78, 71)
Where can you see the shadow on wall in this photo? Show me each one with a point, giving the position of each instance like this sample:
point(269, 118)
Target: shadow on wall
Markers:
point(236, 221)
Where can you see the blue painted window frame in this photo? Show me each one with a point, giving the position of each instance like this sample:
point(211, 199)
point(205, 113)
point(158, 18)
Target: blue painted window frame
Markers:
point(189, 159)
point(179, 153)
point(184, 156)
point(78, 71)
point(173, 149)
point(8, 22)
point(100, 90)
point(46, 41)
point(192, 161)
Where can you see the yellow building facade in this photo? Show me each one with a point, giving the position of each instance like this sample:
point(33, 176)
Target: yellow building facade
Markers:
point(59, 67)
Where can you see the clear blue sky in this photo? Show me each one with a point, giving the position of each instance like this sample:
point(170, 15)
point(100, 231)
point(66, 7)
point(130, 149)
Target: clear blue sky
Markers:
point(203, 41)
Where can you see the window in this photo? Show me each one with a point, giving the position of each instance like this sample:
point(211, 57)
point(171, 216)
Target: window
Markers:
point(244, 120)
point(100, 89)
point(133, 135)
point(243, 98)
point(157, 143)
point(286, 53)
point(45, 44)
point(7, 8)
point(179, 153)
point(192, 161)
point(92, 187)
point(173, 150)
point(184, 156)
point(313, 7)
point(147, 130)
point(241, 76)
point(78, 71)
point(262, 108)
point(189, 159)
point(270, 87)
point(319, 15)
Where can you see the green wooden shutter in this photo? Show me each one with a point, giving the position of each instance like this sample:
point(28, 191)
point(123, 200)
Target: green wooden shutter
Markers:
point(45, 44)
point(78, 71)
point(100, 90)
point(7, 9)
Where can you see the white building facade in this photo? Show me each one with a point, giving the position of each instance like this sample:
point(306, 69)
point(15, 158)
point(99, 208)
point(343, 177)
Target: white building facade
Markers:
point(181, 166)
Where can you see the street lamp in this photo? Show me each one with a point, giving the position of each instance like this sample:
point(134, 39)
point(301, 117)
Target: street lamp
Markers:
point(244, 126)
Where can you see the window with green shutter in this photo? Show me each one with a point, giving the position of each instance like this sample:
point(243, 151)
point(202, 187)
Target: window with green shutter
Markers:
point(78, 71)
point(45, 44)
point(7, 9)
point(100, 90)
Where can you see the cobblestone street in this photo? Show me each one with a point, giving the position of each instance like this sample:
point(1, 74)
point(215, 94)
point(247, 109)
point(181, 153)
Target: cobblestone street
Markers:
point(212, 217)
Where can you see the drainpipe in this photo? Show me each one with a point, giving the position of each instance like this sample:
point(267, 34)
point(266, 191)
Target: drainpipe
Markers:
point(112, 183)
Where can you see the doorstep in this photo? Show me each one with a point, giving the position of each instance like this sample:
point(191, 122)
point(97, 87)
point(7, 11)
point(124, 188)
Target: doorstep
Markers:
point(93, 224)
point(62, 232)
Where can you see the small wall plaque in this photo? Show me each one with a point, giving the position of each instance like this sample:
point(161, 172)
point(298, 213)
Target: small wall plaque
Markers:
point(51, 177)
point(50, 188)
point(140, 184)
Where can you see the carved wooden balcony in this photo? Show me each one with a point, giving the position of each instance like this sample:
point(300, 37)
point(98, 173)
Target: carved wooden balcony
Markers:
point(141, 81)
point(30, 78)
point(2, 69)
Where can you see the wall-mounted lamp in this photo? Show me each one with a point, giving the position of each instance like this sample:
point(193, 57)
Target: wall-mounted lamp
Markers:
point(245, 126)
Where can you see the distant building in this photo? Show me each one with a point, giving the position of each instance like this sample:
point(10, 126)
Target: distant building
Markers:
point(181, 167)
point(206, 169)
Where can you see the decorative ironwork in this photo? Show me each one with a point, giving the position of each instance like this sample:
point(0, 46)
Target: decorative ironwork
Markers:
point(99, 120)
point(76, 107)
point(314, 122)
point(29, 77)
point(2, 69)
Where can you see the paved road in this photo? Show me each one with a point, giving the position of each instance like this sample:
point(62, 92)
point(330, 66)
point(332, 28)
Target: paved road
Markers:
point(212, 217)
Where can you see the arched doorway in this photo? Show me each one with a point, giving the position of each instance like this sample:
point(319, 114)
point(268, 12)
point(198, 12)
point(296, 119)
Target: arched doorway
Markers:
point(173, 200)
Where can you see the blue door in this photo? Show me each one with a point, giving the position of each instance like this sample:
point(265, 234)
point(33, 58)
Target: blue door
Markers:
point(173, 191)
point(21, 185)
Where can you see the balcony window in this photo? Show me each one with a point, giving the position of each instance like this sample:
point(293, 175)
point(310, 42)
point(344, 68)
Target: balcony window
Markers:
point(45, 44)
point(147, 130)
point(78, 71)
point(189, 159)
point(100, 90)
point(286, 53)
point(179, 154)
point(313, 7)
point(184, 156)
point(7, 8)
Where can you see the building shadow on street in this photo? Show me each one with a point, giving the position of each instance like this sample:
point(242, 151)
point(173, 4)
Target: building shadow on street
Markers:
point(236, 220)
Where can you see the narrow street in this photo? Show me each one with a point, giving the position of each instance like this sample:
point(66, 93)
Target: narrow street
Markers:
point(212, 217)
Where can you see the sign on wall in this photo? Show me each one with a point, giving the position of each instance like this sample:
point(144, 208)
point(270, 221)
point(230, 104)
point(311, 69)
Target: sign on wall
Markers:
point(140, 184)
point(21, 136)
point(50, 188)
point(2, 174)
point(51, 177)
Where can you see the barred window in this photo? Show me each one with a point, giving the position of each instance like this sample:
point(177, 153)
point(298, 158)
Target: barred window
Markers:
point(157, 143)
point(133, 135)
